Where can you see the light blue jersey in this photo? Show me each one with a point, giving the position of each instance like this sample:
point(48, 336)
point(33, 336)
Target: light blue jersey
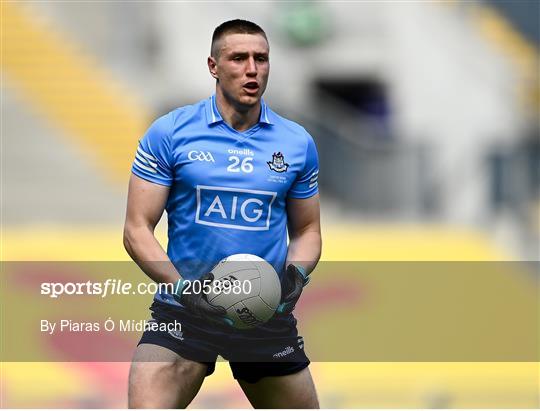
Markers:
point(228, 189)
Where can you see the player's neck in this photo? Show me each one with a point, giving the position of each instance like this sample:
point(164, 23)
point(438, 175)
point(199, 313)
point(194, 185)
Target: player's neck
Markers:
point(239, 118)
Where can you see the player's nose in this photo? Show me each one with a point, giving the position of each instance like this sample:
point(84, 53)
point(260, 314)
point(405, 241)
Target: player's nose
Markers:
point(251, 68)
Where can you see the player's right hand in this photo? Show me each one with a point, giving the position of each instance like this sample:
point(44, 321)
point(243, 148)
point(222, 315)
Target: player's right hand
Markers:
point(197, 302)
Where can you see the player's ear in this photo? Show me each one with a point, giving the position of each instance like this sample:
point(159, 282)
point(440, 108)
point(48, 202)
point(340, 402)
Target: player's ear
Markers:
point(212, 67)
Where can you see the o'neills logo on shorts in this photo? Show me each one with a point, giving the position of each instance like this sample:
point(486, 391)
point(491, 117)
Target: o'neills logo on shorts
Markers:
point(288, 350)
point(247, 316)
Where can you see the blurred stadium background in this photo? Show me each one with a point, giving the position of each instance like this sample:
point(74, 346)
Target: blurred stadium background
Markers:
point(426, 119)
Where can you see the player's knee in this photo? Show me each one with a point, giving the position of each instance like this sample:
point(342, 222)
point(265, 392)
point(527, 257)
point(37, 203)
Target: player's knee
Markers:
point(150, 384)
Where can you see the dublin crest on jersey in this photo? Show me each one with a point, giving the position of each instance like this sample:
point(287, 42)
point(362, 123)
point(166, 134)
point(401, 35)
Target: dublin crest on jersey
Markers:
point(278, 163)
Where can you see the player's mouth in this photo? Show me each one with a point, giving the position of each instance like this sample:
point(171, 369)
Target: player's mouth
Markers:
point(251, 87)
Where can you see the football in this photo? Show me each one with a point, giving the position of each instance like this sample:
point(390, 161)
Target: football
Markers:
point(248, 287)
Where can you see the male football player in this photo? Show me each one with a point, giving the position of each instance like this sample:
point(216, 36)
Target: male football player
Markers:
point(234, 177)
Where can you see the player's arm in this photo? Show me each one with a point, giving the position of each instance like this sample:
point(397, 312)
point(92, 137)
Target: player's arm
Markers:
point(304, 249)
point(304, 228)
point(145, 206)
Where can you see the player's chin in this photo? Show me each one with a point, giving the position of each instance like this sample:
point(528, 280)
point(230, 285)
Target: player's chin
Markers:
point(250, 100)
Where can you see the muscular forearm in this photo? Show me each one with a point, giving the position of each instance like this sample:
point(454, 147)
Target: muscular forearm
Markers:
point(305, 250)
point(145, 250)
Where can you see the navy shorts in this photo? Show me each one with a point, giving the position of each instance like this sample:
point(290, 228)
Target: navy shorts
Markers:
point(273, 349)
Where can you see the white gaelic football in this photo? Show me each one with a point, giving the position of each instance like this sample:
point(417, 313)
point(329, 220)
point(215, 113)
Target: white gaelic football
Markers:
point(248, 287)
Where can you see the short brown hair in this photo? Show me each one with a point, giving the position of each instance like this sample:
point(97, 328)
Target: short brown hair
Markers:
point(236, 26)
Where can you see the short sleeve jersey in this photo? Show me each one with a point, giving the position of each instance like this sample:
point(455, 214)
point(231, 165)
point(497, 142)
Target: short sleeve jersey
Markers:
point(228, 189)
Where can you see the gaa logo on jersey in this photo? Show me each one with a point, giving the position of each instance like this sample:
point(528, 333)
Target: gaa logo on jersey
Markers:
point(234, 208)
point(201, 156)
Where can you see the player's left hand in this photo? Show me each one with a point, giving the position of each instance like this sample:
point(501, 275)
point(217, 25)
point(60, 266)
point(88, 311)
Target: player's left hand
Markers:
point(293, 283)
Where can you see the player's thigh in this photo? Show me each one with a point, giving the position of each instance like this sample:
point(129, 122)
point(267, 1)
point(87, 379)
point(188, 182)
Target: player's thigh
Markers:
point(287, 391)
point(160, 378)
